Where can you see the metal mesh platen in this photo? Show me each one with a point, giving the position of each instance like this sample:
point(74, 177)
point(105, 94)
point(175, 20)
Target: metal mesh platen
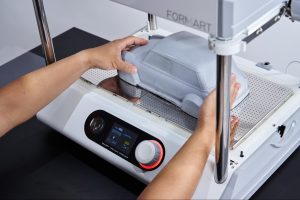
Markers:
point(95, 76)
point(264, 98)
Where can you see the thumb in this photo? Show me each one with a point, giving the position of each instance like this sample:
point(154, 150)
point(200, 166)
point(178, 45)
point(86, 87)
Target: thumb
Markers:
point(131, 40)
point(126, 67)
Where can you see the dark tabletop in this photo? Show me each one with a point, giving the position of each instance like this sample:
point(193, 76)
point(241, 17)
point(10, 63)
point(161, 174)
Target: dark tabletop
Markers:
point(37, 162)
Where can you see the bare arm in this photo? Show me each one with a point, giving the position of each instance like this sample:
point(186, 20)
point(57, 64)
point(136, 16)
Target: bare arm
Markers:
point(24, 97)
point(180, 177)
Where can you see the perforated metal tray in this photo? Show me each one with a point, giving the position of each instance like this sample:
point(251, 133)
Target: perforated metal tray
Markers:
point(264, 98)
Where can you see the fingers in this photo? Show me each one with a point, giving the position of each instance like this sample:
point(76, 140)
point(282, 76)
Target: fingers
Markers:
point(131, 41)
point(234, 121)
point(234, 124)
point(235, 86)
point(126, 67)
point(126, 44)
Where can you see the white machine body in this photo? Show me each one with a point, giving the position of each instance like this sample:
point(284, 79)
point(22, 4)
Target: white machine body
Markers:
point(264, 150)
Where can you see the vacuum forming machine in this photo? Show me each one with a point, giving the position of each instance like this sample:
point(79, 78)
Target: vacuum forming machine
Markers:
point(118, 121)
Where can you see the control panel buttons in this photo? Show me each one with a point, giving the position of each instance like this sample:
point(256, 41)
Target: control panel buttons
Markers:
point(97, 125)
point(125, 140)
point(149, 154)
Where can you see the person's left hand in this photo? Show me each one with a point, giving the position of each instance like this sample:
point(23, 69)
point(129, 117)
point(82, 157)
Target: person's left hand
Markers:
point(109, 57)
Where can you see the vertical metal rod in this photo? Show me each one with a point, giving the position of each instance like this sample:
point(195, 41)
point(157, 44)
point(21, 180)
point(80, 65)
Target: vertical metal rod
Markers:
point(223, 117)
point(46, 39)
point(152, 22)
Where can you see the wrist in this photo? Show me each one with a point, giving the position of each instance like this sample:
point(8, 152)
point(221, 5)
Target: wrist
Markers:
point(207, 137)
point(206, 128)
point(84, 59)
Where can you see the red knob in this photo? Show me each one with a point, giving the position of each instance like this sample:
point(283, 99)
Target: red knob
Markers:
point(149, 154)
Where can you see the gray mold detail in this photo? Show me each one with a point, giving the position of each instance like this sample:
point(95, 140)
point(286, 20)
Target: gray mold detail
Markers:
point(295, 9)
point(180, 69)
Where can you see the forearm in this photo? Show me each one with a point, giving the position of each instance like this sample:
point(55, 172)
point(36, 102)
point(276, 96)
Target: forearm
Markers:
point(24, 97)
point(179, 178)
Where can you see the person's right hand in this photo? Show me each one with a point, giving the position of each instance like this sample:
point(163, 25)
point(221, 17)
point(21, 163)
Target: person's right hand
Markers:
point(108, 56)
point(207, 116)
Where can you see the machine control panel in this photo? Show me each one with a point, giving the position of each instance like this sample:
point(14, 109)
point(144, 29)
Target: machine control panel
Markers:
point(130, 143)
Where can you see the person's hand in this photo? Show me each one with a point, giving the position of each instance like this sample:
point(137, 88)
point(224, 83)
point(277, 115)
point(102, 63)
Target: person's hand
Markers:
point(108, 56)
point(207, 116)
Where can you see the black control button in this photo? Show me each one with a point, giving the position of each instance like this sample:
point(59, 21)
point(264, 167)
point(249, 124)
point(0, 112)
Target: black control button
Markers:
point(281, 130)
point(97, 125)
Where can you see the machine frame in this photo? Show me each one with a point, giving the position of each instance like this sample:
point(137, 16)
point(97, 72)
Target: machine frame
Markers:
point(235, 168)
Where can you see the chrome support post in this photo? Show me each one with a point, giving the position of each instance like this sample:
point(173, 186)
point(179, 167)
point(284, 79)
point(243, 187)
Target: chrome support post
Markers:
point(46, 39)
point(152, 22)
point(223, 117)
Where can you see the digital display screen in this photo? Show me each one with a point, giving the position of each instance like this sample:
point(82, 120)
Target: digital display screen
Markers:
point(121, 139)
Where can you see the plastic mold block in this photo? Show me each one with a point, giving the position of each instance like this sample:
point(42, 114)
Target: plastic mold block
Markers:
point(179, 68)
